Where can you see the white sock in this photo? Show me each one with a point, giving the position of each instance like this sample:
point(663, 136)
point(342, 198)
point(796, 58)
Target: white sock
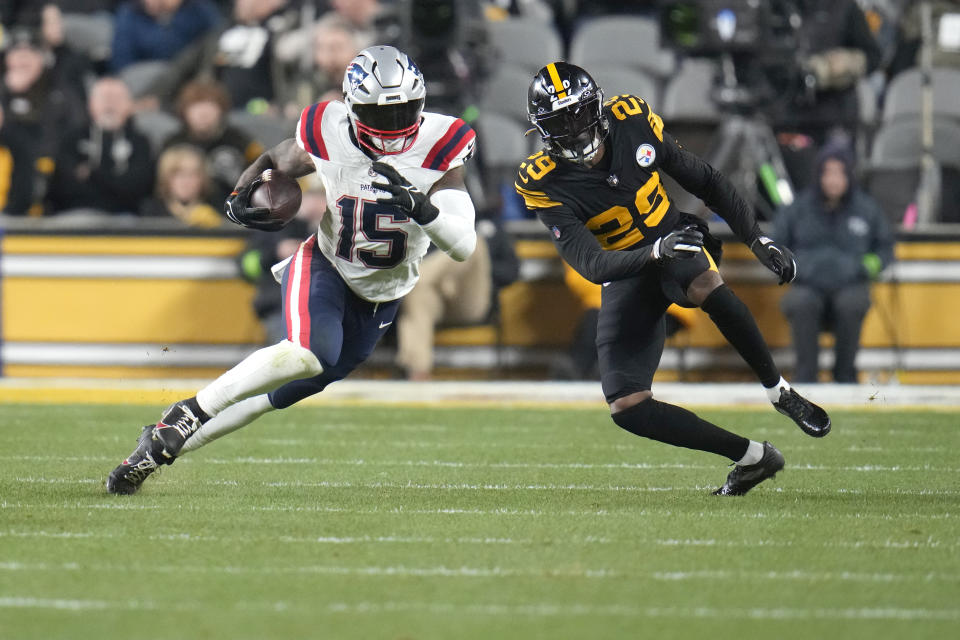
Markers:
point(752, 456)
point(773, 392)
point(263, 370)
point(230, 419)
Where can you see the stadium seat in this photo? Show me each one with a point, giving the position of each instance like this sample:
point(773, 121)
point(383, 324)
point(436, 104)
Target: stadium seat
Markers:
point(867, 100)
point(506, 93)
point(688, 94)
point(627, 40)
point(140, 76)
point(157, 126)
point(502, 140)
point(90, 34)
point(894, 171)
point(524, 43)
point(615, 80)
point(266, 129)
point(904, 95)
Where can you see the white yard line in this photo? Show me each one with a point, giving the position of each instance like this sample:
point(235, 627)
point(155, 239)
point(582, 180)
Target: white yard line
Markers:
point(454, 464)
point(443, 571)
point(929, 543)
point(513, 610)
point(401, 510)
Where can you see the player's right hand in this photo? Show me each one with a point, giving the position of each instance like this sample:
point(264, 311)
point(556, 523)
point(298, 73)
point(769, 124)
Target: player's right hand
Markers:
point(679, 244)
point(237, 208)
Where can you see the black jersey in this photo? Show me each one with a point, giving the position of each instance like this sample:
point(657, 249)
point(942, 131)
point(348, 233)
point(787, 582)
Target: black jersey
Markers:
point(624, 207)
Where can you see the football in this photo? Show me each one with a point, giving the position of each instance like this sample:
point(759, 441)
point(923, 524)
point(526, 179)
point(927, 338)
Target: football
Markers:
point(279, 193)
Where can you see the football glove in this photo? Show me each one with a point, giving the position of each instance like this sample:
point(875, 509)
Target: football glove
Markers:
point(679, 244)
point(404, 196)
point(775, 257)
point(237, 208)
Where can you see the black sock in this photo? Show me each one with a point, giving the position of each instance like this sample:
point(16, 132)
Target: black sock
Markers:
point(194, 406)
point(737, 325)
point(675, 425)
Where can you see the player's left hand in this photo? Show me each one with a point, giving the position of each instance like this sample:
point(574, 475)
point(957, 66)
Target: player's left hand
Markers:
point(404, 195)
point(775, 257)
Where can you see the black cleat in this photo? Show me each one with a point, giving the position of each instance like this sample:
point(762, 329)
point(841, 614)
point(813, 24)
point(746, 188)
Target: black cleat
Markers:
point(812, 419)
point(746, 477)
point(130, 474)
point(177, 424)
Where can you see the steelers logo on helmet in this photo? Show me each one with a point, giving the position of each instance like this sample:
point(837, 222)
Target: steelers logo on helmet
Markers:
point(384, 93)
point(565, 105)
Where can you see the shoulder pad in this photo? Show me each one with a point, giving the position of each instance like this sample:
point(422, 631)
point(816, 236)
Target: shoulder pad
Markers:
point(532, 172)
point(309, 133)
point(454, 147)
point(630, 107)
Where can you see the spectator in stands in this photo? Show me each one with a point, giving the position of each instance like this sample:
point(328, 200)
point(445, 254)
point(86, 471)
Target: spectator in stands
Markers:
point(840, 49)
point(335, 44)
point(106, 165)
point(182, 189)
point(842, 241)
point(452, 293)
point(70, 68)
point(448, 292)
point(16, 169)
point(946, 52)
point(363, 15)
point(239, 55)
point(159, 29)
point(265, 249)
point(203, 107)
point(34, 103)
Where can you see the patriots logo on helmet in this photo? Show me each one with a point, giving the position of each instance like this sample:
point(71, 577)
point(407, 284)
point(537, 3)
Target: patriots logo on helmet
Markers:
point(412, 66)
point(356, 74)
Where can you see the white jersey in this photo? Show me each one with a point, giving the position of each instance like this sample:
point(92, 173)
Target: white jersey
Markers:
point(376, 248)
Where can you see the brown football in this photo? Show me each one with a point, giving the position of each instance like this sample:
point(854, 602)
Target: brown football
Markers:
point(279, 193)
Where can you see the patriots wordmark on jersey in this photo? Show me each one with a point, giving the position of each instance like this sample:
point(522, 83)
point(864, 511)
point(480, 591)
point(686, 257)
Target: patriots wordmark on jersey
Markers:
point(376, 248)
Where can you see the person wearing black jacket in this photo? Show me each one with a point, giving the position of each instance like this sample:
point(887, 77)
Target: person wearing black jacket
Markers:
point(106, 165)
point(597, 187)
point(843, 241)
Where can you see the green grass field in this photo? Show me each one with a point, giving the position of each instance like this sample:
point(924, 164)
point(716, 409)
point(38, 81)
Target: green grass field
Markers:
point(394, 523)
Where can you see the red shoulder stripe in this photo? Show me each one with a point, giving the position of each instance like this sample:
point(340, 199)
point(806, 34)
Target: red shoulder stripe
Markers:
point(467, 137)
point(310, 129)
point(434, 158)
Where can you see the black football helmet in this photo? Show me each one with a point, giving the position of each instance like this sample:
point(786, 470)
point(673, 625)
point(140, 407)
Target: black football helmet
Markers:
point(566, 106)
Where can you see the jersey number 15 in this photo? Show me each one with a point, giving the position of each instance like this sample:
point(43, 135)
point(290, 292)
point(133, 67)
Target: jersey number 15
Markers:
point(371, 215)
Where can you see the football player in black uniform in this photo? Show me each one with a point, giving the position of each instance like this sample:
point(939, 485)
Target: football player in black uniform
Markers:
point(597, 186)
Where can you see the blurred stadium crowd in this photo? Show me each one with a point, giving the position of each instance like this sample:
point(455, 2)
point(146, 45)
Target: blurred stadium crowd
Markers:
point(153, 107)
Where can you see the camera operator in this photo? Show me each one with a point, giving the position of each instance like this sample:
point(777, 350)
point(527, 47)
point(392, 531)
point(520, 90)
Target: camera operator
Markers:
point(837, 50)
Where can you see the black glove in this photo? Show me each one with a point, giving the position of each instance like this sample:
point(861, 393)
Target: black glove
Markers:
point(237, 208)
point(406, 197)
point(679, 244)
point(775, 257)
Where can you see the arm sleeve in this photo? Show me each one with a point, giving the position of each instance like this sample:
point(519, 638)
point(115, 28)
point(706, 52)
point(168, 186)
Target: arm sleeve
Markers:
point(711, 186)
point(453, 229)
point(781, 225)
point(582, 252)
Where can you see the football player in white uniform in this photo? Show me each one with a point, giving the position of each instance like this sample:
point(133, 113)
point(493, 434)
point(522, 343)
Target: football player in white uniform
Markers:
point(393, 175)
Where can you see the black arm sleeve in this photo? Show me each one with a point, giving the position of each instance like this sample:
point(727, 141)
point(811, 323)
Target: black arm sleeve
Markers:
point(711, 186)
point(582, 252)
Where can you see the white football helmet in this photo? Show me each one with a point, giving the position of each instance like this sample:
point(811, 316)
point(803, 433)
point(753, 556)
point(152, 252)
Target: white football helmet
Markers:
point(384, 92)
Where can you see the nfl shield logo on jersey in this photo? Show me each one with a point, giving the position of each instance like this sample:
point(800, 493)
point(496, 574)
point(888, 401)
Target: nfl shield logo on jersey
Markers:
point(645, 155)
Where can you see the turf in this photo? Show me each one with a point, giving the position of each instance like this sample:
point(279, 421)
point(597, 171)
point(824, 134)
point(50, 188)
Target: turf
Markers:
point(359, 522)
